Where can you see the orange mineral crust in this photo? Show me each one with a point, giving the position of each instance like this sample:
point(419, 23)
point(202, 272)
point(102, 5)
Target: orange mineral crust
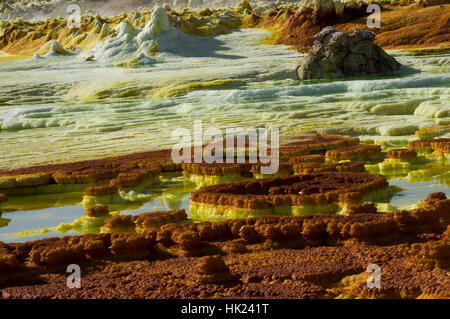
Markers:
point(312, 256)
point(355, 152)
point(311, 189)
point(406, 24)
point(301, 25)
point(438, 145)
point(307, 145)
point(365, 208)
point(97, 211)
point(402, 154)
point(317, 158)
point(145, 220)
point(212, 269)
point(219, 169)
point(3, 198)
point(121, 171)
point(311, 167)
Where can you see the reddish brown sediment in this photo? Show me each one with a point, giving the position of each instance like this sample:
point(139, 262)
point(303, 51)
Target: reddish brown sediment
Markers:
point(440, 145)
point(308, 189)
point(245, 170)
point(284, 168)
point(212, 270)
point(403, 26)
point(281, 273)
point(365, 208)
point(145, 221)
point(435, 214)
point(355, 152)
point(317, 158)
point(131, 179)
point(402, 154)
point(157, 219)
point(430, 255)
point(303, 24)
point(123, 162)
point(301, 149)
point(311, 167)
point(219, 169)
point(120, 222)
point(3, 198)
point(103, 190)
point(447, 233)
point(97, 211)
point(124, 180)
point(301, 257)
point(307, 145)
point(122, 171)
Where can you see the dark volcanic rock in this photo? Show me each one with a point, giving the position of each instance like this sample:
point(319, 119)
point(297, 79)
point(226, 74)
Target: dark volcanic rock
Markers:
point(337, 54)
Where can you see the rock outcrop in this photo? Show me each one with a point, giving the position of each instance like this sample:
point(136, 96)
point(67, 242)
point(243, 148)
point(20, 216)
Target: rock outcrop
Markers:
point(337, 54)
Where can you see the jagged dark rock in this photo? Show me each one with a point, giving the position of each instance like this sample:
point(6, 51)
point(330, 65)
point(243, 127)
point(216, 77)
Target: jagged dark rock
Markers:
point(336, 54)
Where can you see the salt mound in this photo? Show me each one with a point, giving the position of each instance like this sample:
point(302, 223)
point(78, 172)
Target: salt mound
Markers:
point(157, 37)
point(127, 42)
point(53, 48)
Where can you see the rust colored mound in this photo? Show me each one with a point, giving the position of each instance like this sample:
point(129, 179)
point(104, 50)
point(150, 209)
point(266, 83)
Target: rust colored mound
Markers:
point(103, 190)
point(3, 198)
point(308, 189)
point(307, 159)
point(410, 25)
point(365, 208)
point(275, 257)
point(212, 269)
point(121, 171)
point(302, 25)
point(309, 167)
point(219, 169)
point(132, 161)
point(403, 154)
point(145, 220)
point(97, 211)
point(355, 152)
point(440, 145)
point(315, 144)
point(300, 149)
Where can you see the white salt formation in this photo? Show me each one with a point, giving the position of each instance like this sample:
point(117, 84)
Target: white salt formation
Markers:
point(53, 48)
point(128, 43)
